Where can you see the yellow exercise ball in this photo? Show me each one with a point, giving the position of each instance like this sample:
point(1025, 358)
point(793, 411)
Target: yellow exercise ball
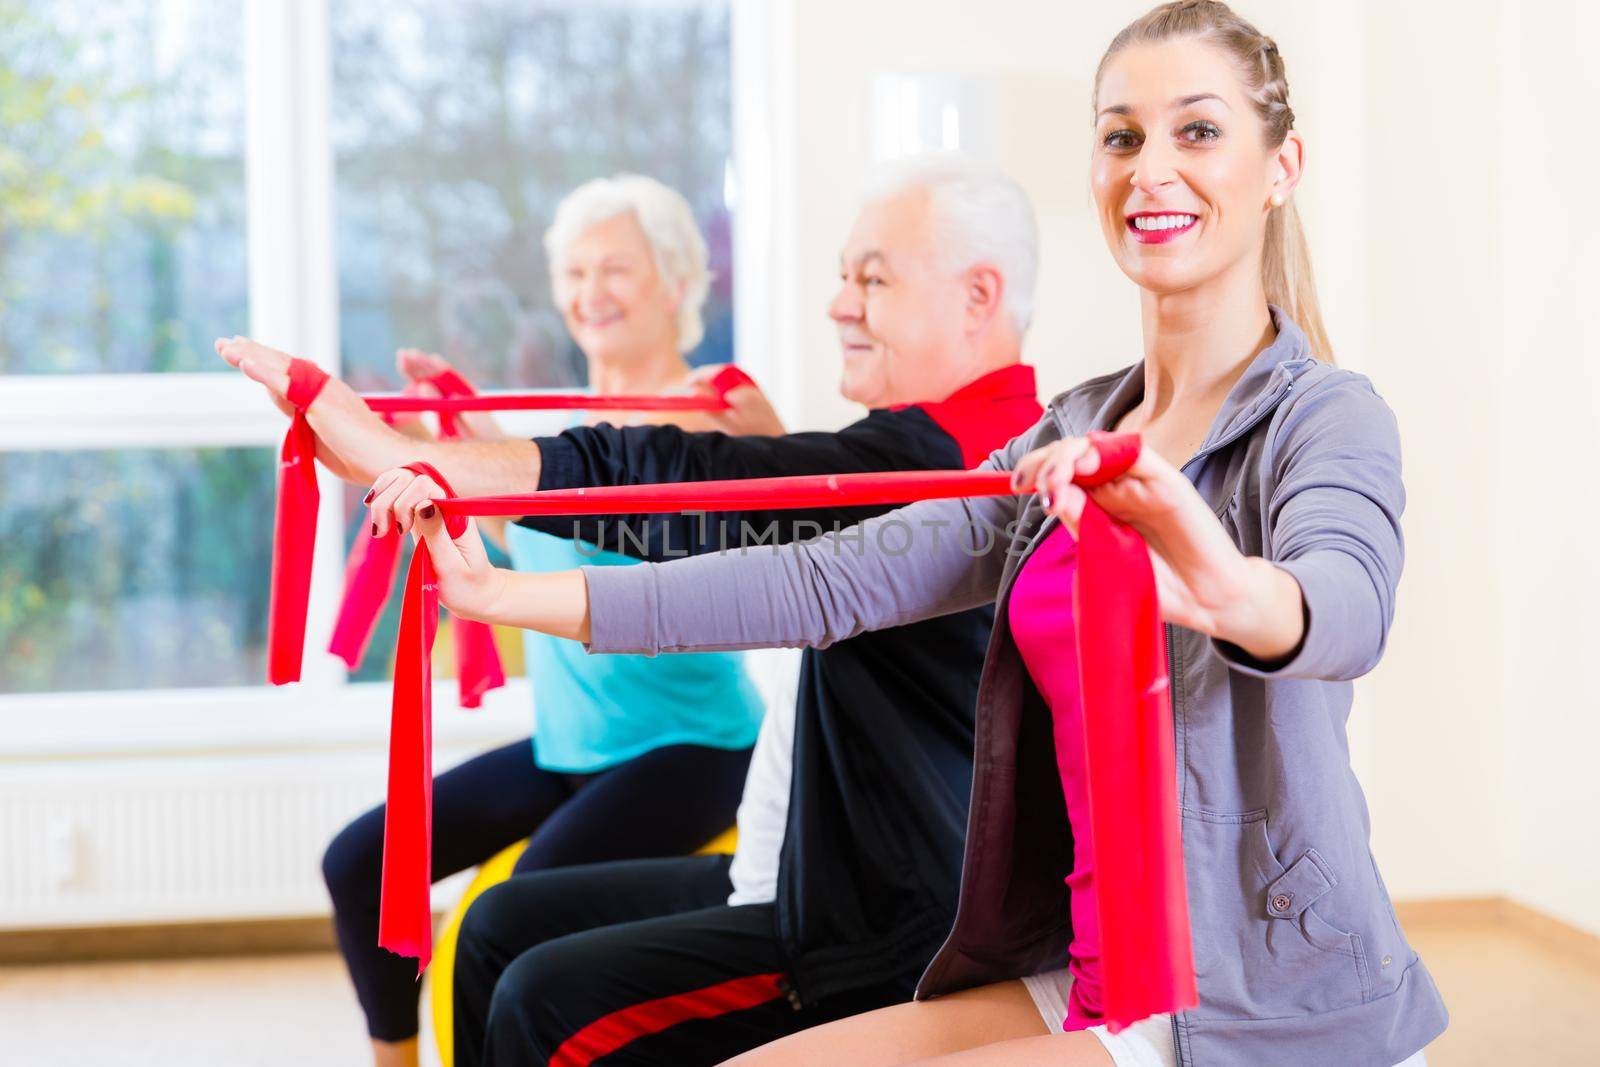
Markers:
point(441, 972)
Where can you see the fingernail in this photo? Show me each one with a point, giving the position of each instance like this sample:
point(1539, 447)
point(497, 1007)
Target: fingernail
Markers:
point(428, 511)
point(368, 498)
point(374, 529)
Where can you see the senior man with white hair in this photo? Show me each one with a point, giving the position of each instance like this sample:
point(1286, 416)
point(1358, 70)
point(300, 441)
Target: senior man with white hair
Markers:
point(853, 817)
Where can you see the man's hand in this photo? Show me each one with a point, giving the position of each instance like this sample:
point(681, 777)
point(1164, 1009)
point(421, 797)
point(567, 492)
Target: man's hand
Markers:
point(352, 441)
point(749, 413)
point(260, 364)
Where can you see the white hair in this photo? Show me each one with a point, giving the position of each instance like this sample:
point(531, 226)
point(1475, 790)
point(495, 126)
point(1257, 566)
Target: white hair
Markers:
point(980, 216)
point(669, 228)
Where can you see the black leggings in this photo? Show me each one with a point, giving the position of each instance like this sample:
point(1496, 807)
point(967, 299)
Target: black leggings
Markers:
point(631, 965)
point(667, 802)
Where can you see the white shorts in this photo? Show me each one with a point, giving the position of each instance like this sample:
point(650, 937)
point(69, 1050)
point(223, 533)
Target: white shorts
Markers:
point(1147, 1043)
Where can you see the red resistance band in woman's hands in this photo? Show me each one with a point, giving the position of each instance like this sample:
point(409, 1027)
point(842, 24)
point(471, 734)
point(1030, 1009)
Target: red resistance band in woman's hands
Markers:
point(1127, 712)
point(295, 530)
point(478, 667)
point(369, 576)
point(405, 918)
point(371, 566)
point(369, 573)
point(1146, 955)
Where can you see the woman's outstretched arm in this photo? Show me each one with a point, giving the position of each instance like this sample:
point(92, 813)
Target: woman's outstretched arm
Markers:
point(927, 559)
point(1318, 601)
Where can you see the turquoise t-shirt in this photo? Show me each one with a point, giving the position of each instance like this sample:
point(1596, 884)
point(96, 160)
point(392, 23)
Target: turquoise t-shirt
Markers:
point(597, 711)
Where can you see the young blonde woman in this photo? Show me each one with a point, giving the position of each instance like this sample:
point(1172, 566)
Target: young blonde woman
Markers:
point(1269, 492)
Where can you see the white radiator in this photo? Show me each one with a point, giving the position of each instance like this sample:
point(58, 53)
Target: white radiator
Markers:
point(92, 834)
point(177, 838)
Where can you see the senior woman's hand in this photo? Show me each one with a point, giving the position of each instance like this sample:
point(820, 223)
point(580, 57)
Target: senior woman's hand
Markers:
point(418, 366)
point(1204, 582)
point(749, 414)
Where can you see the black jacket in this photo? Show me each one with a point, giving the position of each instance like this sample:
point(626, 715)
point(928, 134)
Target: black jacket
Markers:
point(871, 859)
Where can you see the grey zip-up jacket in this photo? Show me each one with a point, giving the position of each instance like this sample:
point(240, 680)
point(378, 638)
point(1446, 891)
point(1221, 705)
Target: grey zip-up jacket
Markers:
point(1297, 950)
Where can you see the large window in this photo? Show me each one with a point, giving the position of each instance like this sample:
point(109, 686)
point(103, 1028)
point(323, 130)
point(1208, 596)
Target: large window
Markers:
point(457, 128)
point(337, 177)
point(134, 568)
point(122, 253)
point(122, 230)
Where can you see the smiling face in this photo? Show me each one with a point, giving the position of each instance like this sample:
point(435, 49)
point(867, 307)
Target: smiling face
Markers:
point(1181, 175)
point(902, 314)
point(614, 300)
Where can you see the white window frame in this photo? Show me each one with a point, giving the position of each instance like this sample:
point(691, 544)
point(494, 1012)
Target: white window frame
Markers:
point(294, 305)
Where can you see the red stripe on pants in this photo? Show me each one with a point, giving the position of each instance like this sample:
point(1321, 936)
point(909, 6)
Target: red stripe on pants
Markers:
point(610, 1032)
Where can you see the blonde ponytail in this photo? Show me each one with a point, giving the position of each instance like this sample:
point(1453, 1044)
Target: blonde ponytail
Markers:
point(1288, 278)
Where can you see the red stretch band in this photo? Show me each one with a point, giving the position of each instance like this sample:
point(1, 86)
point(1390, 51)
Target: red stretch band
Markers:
point(370, 568)
point(1127, 713)
point(450, 386)
point(405, 921)
point(405, 917)
point(295, 529)
point(405, 924)
point(371, 565)
point(478, 666)
point(1146, 954)
point(799, 491)
point(726, 380)
point(369, 573)
point(369, 576)
point(306, 380)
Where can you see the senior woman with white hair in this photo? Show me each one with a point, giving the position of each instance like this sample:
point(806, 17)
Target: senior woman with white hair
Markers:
point(631, 757)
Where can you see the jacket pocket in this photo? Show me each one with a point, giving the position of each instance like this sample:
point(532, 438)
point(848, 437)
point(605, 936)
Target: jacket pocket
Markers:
point(1261, 950)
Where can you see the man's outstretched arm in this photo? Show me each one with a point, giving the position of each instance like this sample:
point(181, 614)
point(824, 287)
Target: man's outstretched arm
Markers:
point(357, 445)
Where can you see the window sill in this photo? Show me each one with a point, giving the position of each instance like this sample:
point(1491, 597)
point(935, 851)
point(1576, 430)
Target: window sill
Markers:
point(92, 726)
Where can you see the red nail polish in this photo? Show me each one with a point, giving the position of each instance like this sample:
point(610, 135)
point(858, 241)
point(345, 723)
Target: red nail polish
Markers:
point(374, 529)
point(428, 511)
point(368, 498)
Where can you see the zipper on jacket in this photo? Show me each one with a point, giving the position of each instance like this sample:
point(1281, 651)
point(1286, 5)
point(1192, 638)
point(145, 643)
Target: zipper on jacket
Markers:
point(1255, 420)
point(1267, 408)
point(1172, 689)
point(790, 994)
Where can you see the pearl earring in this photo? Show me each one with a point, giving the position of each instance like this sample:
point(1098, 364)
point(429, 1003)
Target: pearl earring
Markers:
point(1277, 199)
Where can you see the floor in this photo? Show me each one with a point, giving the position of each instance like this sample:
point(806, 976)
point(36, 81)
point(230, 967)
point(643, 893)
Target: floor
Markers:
point(1514, 999)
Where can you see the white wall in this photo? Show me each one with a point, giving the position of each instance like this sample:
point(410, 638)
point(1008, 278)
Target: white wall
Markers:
point(1442, 150)
point(1433, 330)
point(1087, 318)
point(1550, 408)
